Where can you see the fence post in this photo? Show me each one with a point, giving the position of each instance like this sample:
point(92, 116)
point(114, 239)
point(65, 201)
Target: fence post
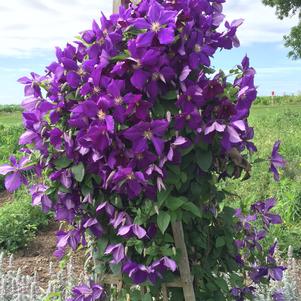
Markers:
point(117, 3)
point(184, 267)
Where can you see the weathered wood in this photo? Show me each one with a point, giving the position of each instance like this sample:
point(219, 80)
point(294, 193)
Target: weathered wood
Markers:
point(164, 293)
point(184, 267)
point(116, 279)
point(117, 3)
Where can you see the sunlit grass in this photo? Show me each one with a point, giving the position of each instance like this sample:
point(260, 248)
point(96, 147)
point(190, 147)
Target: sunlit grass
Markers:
point(10, 118)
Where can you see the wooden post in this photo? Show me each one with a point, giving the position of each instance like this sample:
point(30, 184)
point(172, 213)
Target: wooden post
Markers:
point(184, 267)
point(117, 3)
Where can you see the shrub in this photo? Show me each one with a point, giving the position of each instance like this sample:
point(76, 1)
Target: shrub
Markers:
point(19, 222)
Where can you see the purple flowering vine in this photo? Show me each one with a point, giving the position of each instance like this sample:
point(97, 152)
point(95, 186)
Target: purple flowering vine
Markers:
point(128, 130)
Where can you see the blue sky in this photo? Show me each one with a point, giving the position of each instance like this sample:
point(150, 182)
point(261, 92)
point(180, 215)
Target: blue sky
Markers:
point(29, 31)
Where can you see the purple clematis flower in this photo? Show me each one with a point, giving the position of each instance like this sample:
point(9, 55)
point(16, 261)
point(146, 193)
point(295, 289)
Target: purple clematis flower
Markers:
point(277, 161)
point(129, 181)
point(275, 273)
point(278, 296)
point(14, 177)
point(91, 292)
point(132, 230)
point(263, 208)
point(32, 86)
point(139, 273)
point(72, 238)
point(159, 23)
point(39, 198)
point(143, 132)
point(191, 99)
point(192, 119)
point(117, 251)
point(94, 226)
point(121, 218)
point(107, 208)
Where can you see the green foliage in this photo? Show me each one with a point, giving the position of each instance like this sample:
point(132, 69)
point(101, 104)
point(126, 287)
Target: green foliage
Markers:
point(278, 100)
point(19, 221)
point(294, 41)
point(286, 8)
point(10, 108)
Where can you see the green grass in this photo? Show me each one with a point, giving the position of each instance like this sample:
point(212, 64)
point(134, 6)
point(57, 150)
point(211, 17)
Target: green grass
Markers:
point(272, 123)
point(11, 118)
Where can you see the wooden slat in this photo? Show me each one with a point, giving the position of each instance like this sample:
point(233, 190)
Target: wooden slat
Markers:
point(117, 3)
point(184, 267)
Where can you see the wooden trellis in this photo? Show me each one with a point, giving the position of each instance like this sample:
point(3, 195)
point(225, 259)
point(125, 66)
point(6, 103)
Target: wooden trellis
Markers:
point(185, 281)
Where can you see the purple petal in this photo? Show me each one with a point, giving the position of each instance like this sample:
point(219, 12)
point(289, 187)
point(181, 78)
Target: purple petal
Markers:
point(145, 39)
point(5, 169)
point(166, 35)
point(139, 79)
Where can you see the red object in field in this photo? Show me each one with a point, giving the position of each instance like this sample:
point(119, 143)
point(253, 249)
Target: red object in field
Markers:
point(273, 93)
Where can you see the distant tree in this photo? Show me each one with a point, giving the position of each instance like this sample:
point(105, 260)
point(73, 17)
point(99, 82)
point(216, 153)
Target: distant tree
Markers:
point(286, 8)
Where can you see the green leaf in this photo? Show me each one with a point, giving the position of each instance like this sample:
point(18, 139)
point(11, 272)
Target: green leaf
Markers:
point(192, 208)
point(220, 242)
point(163, 220)
point(204, 159)
point(115, 268)
point(174, 203)
point(78, 172)
point(170, 95)
point(62, 162)
point(221, 283)
point(102, 244)
point(121, 56)
point(147, 297)
point(163, 195)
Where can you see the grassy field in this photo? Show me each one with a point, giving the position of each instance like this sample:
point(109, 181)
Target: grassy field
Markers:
point(10, 118)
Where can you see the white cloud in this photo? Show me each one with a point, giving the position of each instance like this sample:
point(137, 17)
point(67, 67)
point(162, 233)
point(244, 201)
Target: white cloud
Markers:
point(261, 24)
point(27, 26)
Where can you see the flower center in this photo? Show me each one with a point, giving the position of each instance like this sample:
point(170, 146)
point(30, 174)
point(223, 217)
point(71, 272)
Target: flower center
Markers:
point(101, 41)
point(101, 115)
point(189, 98)
point(96, 90)
point(131, 176)
point(80, 71)
point(155, 76)
point(156, 26)
point(119, 100)
point(140, 156)
point(148, 134)
point(197, 48)
point(138, 64)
